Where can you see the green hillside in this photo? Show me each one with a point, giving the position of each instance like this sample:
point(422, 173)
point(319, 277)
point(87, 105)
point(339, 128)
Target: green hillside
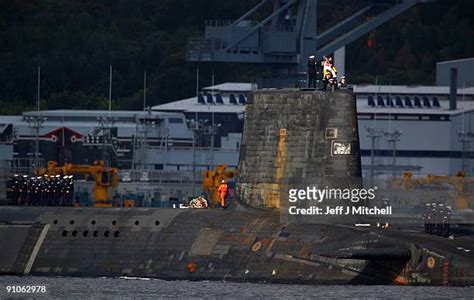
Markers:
point(74, 42)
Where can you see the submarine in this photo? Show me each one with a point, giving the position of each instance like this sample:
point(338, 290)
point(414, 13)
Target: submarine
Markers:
point(292, 139)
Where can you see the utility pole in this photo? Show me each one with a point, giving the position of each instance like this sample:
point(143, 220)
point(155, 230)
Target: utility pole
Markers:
point(465, 138)
point(213, 134)
point(105, 127)
point(103, 132)
point(145, 128)
point(110, 90)
point(35, 122)
point(107, 123)
point(37, 127)
point(194, 126)
point(374, 134)
point(144, 90)
point(392, 138)
point(193, 168)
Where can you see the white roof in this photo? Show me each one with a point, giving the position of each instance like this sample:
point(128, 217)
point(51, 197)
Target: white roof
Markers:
point(242, 87)
point(10, 119)
point(462, 107)
point(192, 105)
point(456, 60)
point(403, 89)
point(224, 89)
point(89, 113)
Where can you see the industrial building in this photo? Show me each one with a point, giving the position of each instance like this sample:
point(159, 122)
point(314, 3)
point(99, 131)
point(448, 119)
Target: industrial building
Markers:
point(200, 132)
point(432, 137)
point(464, 68)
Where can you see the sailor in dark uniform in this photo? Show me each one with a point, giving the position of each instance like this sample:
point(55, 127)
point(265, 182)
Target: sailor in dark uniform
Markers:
point(312, 72)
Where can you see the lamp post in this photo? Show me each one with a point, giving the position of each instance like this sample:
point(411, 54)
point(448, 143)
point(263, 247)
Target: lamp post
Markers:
point(374, 134)
point(105, 132)
point(36, 122)
point(392, 138)
point(465, 138)
point(201, 128)
point(193, 125)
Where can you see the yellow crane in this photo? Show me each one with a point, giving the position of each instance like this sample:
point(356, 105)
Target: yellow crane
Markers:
point(213, 178)
point(461, 184)
point(105, 178)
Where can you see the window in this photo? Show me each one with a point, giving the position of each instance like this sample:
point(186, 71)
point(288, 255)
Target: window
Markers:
point(175, 121)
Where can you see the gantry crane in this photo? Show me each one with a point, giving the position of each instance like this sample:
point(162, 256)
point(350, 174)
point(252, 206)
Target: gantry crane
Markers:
point(462, 186)
point(213, 178)
point(284, 39)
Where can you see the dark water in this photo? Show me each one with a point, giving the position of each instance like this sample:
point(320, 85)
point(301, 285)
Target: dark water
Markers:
point(134, 288)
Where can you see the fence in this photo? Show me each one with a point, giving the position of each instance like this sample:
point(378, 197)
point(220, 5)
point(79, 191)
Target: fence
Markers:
point(160, 176)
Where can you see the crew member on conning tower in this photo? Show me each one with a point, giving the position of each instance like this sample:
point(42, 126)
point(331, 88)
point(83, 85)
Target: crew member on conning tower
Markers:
point(312, 71)
point(329, 71)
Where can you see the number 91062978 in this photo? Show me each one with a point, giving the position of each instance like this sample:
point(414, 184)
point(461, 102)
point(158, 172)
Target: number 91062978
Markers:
point(25, 289)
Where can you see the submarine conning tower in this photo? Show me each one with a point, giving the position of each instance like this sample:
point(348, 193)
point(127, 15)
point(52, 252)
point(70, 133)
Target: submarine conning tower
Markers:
point(297, 138)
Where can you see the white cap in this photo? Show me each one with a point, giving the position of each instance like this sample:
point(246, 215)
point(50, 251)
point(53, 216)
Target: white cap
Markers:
point(312, 56)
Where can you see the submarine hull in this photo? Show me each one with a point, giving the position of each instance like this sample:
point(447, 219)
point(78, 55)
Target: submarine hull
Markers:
point(217, 245)
point(292, 139)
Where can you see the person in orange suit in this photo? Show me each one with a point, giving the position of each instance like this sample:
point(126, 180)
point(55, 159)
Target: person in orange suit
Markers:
point(222, 192)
